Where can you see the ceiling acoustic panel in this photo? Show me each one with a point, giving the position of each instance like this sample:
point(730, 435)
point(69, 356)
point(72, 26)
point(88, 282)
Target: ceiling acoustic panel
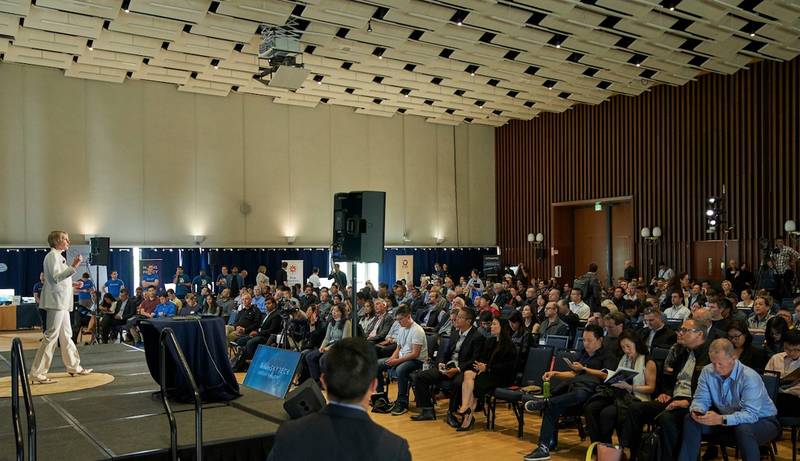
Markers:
point(471, 61)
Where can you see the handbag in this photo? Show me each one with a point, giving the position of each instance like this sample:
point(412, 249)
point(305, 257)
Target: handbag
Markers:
point(650, 449)
point(604, 452)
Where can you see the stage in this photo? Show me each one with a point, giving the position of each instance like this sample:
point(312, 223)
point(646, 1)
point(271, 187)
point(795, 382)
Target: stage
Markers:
point(124, 420)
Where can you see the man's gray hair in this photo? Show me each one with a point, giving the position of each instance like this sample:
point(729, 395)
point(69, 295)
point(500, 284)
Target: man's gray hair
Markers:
point(721, 346)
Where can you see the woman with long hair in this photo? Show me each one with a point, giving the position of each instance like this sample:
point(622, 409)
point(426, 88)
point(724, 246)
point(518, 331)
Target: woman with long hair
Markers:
point(752, 356)
point(494, 369)
point(339, 328)
point(210, 306)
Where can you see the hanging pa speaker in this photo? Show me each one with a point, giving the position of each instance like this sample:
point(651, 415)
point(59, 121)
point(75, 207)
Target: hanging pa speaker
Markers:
point(212, 258)
point(305, 399)
point(98, 252)
point(358, 226)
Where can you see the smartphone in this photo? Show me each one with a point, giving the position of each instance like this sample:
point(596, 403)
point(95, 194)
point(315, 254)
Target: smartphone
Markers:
point(568, 361)
point(698, 413)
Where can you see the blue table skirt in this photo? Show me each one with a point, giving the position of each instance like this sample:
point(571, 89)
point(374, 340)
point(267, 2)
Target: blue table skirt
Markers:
point(28, 316)
point(205, 347)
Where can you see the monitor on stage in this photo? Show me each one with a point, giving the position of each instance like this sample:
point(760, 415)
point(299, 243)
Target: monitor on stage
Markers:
point(272, 370)
point(6, 295)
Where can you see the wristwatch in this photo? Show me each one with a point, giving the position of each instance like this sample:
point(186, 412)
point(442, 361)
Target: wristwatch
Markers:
point(724, 421)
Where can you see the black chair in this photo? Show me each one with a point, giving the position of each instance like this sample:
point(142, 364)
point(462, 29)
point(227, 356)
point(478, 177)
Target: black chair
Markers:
point(674, 324)
point(578, 343)
point(557, 342)
point(539, 361)
point(771, 383)
point(433, 345)
point(659, 353)
point(793, 423)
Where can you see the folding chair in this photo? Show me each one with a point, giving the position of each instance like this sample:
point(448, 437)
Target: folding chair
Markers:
point(557, 342)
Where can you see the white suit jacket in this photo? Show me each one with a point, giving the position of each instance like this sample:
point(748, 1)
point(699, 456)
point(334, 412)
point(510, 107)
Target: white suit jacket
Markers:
point(57, 289)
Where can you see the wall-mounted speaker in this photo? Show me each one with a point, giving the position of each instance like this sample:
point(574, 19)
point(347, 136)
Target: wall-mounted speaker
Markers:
point(358, 226)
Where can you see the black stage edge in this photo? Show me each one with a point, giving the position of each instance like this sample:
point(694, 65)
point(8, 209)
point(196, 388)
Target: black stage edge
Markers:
point(123, 420)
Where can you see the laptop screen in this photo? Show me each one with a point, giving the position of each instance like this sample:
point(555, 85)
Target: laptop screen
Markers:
point(271, 370)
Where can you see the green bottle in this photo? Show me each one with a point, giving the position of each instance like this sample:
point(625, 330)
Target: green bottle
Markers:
point(546, 389)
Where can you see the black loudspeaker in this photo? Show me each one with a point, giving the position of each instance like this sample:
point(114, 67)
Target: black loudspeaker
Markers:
point(305, 399)
point(358, 226)
point(212, 258)
point(98, 253)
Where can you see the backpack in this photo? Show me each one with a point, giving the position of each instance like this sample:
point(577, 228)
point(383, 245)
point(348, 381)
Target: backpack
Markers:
point(584, 284)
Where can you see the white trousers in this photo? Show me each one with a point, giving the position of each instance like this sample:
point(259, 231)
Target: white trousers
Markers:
point(59, 329)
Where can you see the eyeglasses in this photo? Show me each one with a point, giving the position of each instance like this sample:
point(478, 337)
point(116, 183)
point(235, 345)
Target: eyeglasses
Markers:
point(735, 337)
point(685, 330)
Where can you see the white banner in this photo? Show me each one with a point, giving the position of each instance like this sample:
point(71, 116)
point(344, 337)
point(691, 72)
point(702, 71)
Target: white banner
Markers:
point(404, 268)
point(295, 270)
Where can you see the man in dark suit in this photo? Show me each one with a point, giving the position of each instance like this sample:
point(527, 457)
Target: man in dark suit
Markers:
point(462, 351)
point(379, 327)
point(272, 324)
point(342, 431)
point(657, 333)
point(121, 310)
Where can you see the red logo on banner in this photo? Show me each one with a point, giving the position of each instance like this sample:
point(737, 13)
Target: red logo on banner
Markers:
point(292, 268)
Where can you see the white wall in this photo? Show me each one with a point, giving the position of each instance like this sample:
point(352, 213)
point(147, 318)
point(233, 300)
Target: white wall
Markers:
point(145, 164)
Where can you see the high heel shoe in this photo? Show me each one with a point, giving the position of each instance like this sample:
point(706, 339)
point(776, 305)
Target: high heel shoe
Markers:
point(83, 372)
point(467, 414)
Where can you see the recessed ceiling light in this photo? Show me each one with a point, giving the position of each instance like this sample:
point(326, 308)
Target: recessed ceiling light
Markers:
point(558, 45)
point(638, 65)
point(672, 8)
point(405, 95)
point(319, 83)
point(126, 10)
point(752, 34)
point(380, 57)
point(459, 23)
point(216, 67)
point(472, 74)
point(91, 48)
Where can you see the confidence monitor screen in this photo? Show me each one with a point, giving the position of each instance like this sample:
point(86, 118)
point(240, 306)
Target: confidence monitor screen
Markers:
point(272, 370)
point(6, 295)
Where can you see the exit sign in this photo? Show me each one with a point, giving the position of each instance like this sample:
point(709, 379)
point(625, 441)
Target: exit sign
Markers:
point(598, 206)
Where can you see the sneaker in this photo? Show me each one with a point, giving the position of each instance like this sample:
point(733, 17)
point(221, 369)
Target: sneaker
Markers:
point(539, 454)
point(536, 404)
point(399, 409)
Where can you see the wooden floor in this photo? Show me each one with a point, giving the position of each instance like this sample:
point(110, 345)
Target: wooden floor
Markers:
point(436, 441)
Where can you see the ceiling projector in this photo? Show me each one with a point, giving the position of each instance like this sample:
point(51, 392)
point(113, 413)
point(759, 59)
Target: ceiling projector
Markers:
point(280, 46)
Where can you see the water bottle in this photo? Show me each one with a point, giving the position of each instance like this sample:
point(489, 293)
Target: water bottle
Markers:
point(546, 389)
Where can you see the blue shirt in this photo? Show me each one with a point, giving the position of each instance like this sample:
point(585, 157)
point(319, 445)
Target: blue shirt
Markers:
point(180, 288)
point(741, 397)
point(113, 287)
point(167, 309)
point(86, 291)
point(37, 287)
point(150, 278)
point(261, 303)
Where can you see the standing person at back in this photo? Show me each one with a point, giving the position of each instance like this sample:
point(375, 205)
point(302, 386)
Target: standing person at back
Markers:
point(342, 431)
point(589, 286)
point(339, 277)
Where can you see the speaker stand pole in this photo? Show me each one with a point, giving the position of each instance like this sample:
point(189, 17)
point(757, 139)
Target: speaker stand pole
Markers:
point(353, 303)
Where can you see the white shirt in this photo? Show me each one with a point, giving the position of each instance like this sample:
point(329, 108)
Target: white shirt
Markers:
point(582, 310)
point(57, 288)
point(677, 312)
point(262, 278)
point(784, 365)
point(314, 280)
point(412, 336)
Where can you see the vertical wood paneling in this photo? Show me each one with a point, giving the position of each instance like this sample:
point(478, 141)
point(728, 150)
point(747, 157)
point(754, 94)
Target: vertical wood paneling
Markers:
point(669, 149)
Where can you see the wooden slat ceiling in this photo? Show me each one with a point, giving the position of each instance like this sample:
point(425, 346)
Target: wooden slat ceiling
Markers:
point(475, 61)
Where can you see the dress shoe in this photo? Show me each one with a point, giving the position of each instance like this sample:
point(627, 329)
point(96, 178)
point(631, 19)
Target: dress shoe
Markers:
point(83, 372)
point(469, 425)
point(427, 414)
point(452, 420)
point(42, 380)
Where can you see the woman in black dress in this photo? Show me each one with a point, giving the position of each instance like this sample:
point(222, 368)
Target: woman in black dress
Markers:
point(494, 369)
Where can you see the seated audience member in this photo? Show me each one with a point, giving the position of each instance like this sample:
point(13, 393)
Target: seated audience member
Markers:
point(656, 332)
point(567, 316)
point(520, 336)
point(485, 323)
point(552, 323)
point(677, 311)
point(247, 320)
point(572, 389)
point(784, 363)
point(271, 326)
point(606, 410)
point(577, 306)
point(533, 313)
point(434, 314)
point(106, 312)
point(494, 368)
point(380, 325)
point(613, 324)
point(226, 303)
point(317, 328)
point(746, 299)
point(171, 297)
point(730, 397)
point(461, 353)
point(409, 355)
point(121, 311)
point(758, 321)
point(342, 430)
point(210, 306)
point(339, 328)
point(776, 331)
point(696, 296)
point(752, 356)
point(366, 316)
point(165, 308)
point(681, 372)
point(785, 312)
point(727, 291)
point(703, 315)
point(144, 310)
point(190, 306)
point(484, 304)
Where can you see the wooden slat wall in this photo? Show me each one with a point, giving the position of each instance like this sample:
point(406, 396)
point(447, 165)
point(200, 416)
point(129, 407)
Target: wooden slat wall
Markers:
point(670, 149)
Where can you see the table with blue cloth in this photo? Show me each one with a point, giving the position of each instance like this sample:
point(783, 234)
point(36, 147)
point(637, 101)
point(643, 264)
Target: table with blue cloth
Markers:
point(28, 316)
point(204, 345)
